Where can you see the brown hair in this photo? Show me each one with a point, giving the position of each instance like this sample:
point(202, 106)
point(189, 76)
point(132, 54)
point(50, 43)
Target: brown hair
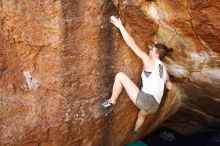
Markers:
point(163, 50)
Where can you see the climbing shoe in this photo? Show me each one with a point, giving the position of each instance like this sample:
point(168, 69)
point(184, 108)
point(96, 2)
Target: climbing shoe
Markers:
point(133, 131)
point(106, 104)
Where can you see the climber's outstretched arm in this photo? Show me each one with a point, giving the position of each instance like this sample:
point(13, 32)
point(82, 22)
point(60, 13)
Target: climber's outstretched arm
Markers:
point(129, 40)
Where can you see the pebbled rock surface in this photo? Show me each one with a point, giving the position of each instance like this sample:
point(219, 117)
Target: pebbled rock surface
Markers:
point(72, 51)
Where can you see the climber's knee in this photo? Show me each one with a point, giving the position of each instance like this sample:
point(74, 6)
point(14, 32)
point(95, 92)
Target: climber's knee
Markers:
point(120, 76)
point(142, 114)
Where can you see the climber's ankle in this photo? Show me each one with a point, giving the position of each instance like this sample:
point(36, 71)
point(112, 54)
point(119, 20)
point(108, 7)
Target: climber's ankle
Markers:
point(133, 131)
point(113, 102)
point(106, 104)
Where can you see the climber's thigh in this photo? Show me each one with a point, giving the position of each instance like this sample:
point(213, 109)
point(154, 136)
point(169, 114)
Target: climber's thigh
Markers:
point(130, 87)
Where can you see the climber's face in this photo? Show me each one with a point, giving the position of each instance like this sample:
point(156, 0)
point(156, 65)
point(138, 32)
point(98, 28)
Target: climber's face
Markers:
point(152, 51)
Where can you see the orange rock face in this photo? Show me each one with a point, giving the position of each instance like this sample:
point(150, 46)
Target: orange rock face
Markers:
point(58, 60)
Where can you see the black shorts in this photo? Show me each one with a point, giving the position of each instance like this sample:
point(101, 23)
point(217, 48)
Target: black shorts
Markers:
point(147, 102)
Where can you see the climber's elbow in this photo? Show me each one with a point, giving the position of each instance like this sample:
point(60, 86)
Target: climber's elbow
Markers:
point(169, 85)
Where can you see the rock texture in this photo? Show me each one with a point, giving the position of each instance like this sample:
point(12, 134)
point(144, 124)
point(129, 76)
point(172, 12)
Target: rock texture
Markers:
point(72, 52)
point(191, 28)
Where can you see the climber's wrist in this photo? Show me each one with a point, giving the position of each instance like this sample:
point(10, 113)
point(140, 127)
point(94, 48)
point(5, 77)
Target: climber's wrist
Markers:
point(120, 26)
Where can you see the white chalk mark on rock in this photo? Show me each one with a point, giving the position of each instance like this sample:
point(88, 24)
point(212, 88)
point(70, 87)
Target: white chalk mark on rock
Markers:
point(31, 82)
point(152, 11)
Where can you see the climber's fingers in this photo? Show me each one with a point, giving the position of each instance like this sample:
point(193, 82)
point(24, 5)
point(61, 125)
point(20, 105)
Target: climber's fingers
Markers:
point(112, 22)
point(116, 21)
point(113, 19)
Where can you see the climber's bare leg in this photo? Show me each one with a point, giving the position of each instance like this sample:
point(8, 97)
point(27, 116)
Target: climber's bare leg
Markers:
point(122, 80)
point(140, 119)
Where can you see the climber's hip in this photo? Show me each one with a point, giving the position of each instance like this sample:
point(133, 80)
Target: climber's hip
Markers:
point(147, 102)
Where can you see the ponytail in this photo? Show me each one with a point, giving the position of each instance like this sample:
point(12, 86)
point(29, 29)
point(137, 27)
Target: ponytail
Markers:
point(169, 51)
point(163, 50)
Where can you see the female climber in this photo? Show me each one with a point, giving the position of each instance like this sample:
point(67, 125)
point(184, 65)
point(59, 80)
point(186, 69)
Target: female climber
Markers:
point(154, 77)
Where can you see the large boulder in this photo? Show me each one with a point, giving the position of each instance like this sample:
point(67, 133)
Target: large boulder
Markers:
point(58, 60)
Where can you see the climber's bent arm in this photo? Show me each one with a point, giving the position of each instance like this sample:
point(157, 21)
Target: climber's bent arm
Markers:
point(168, 83)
